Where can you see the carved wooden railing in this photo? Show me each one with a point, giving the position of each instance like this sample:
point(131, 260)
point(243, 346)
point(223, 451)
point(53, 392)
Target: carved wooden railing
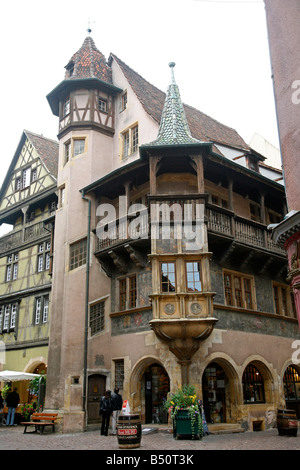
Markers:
point(219, 220)
point(15, 239)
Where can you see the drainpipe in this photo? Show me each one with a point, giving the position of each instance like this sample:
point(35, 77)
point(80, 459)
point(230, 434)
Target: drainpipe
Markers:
point(87, 282)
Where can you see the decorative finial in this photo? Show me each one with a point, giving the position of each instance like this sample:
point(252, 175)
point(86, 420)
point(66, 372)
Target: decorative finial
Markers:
point(89, 29)
point(172, 65)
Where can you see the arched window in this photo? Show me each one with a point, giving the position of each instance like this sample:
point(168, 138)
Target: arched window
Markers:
point(291, 382)
point(253, 385)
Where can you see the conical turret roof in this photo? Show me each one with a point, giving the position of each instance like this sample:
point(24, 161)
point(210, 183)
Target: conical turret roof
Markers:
point(88, 62)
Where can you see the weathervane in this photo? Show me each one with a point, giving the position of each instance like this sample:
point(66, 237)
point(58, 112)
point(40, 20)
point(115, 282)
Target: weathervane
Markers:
point(89, 29)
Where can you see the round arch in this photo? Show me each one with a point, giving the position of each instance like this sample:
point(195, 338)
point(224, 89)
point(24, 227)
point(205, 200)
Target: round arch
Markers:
point(37, 365)
point(138, 385)
point(290, 381)
point(270, 380)
point(223, 387)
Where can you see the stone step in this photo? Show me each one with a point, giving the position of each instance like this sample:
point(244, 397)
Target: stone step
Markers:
point(224, 428)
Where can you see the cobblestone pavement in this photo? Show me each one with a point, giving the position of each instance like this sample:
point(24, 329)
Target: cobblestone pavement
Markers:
point(12, 438)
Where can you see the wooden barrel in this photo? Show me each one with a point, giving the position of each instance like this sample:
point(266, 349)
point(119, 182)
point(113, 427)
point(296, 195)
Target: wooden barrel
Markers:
point(287, 423)
point(129, 431)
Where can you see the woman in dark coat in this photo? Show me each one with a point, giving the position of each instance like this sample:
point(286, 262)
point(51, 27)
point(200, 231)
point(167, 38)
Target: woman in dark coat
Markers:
point(105, 411)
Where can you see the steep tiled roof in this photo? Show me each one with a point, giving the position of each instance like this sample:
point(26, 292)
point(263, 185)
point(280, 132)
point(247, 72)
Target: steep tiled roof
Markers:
point(202, 127)
point(88, 62)
point(47, 150)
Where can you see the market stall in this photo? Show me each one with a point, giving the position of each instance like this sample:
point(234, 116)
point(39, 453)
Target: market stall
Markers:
point(15, 376)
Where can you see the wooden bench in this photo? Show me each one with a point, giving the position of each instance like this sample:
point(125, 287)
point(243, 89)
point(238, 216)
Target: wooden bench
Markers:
point(40, 421)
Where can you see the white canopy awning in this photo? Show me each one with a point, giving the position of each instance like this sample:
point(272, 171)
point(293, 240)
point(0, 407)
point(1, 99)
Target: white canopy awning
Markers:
point(14, 376)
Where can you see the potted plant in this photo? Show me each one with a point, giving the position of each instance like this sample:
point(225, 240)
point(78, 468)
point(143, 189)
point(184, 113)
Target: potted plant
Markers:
point(186, 413)
point(27, 409)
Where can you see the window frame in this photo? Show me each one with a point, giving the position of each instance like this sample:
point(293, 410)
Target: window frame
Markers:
point(43, 256)
point(41, 309)
point(129, 141)
point(119, 373)
point(128, 292)
point(78, 141)
point(8, 317)
point(192, 273)
point(123, 101)
point(81, 254)
point(12, 267)
point(283, 307)
point(253, 386)
point(167, 282)
point(104, 102)
point(66, 106)
point(233, 289)
point(97, 317)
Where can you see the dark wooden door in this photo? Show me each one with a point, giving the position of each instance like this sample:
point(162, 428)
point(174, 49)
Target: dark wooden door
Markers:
point(96, 389)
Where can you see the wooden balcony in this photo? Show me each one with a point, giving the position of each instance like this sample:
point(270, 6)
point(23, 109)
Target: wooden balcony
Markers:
point(240, 230)
point(14, 240)
point(220, 222)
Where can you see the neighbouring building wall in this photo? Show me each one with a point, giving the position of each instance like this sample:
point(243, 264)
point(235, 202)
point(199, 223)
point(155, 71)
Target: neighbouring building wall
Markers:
point(284, 38)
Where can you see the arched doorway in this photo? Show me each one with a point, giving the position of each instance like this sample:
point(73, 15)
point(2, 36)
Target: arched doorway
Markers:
point(96, 389)
point(157, 385)
point(291, 383)
point(214, 386)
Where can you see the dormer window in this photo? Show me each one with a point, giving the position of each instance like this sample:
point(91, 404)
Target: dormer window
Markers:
point(70, 69)
point(252, 164)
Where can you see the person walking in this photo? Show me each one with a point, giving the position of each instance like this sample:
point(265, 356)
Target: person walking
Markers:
point(117, 402)
point(12, 401)
point(105, 412)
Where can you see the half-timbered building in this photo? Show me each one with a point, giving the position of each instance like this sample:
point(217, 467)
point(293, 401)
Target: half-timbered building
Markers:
point(27, 203)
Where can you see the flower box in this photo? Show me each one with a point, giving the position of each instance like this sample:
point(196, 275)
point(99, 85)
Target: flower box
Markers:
point(182, 426)
point(186, 413)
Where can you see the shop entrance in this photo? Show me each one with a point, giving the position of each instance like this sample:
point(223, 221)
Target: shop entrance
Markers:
point(157, 386)
point(214, 384)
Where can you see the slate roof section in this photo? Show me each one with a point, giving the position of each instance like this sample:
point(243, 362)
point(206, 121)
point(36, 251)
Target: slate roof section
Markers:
point(88, 62)
point(202, 127)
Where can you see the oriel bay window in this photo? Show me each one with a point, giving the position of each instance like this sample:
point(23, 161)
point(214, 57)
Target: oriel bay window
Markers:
point(239, 290)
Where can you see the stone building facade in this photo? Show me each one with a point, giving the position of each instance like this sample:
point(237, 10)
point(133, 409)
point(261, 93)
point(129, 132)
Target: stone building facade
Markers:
point(164, 271)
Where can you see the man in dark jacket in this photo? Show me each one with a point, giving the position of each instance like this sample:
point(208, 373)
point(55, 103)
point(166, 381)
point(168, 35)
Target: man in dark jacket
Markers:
point(12, 401)
point(117, 402)
point(105, 412)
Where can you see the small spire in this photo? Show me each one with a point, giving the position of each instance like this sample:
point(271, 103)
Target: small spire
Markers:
point(172, 65)
point(174, 128)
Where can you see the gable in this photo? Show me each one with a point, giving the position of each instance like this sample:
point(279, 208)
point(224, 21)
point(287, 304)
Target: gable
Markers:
point(202, 126)
point(33, 170)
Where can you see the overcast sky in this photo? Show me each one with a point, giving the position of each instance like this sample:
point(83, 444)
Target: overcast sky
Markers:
point(220, 49)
